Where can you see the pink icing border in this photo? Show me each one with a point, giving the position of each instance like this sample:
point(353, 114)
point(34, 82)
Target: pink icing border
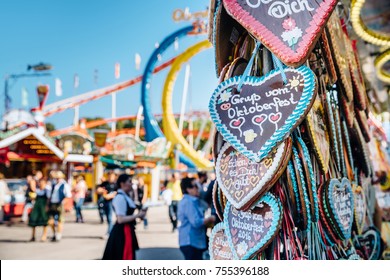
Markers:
point(273, 42)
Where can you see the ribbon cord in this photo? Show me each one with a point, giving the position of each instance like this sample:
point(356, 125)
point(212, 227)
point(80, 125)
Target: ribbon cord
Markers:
point(249, 66)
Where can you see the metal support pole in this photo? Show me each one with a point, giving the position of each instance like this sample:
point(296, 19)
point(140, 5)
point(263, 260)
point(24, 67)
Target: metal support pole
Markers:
point(113, 111)
point(138, 122)
point(184, 100)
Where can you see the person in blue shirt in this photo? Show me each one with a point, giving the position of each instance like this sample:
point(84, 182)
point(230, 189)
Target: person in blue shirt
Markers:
point(192, 224)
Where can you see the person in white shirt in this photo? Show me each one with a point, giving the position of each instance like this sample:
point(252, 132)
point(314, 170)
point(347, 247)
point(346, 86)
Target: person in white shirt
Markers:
point(3, 191)
point(60, 190)
point(122, 243)
point(79, 192)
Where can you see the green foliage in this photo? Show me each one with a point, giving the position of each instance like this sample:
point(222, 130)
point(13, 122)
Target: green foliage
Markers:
point(104, 126)
point(50, 127)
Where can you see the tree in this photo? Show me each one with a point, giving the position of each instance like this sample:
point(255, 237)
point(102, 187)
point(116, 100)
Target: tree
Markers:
point(50, 127)
point(103, 126)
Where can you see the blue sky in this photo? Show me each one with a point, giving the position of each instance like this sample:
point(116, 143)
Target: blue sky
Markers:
point(81, 36)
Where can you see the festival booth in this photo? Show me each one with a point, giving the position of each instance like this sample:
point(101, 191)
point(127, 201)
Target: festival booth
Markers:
point(145, 159)
point(301, 154)
point(30, 150)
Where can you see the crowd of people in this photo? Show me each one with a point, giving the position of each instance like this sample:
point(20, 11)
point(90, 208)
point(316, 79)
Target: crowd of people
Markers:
point(189, 200)
point(43, 205)
point(191, 213)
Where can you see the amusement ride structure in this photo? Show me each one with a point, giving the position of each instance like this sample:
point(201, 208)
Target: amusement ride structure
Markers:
point(180, 149)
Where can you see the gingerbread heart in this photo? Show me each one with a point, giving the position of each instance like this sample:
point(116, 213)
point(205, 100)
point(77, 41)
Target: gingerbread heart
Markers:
point(318, 134)
point(264, 112)
point(370, 243)
point(360, 207)
point(340, 199)
point(289, 28)
point(247, 232)
point(218, 245)
point(340, 55)
point(243, 181)
point(226, 36)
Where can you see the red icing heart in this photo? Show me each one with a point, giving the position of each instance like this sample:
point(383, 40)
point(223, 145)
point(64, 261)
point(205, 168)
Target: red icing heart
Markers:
point(289, 29)
point(275, 117)
point(259, 119)
point(234, 231)
point(237, 122)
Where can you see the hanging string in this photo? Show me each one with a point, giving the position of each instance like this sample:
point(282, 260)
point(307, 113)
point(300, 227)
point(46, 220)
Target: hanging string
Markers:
point(279, 65)
point(248, 67)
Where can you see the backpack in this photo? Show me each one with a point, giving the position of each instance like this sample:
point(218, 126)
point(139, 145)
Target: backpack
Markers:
point(61, 192)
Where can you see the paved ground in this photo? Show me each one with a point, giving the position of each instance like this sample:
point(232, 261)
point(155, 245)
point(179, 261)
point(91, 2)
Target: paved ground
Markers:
point(84, 241)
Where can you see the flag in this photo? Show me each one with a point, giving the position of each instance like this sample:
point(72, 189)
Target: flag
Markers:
point(24, 97)
point(58, 87)
point(137, 61)
point(117, 70)
point(76, 81)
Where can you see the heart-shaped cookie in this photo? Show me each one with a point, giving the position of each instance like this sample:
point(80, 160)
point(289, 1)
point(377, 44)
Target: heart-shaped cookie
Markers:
point(340, 200)
point(218, 245)
point(217, 144)
point(318, 134)
point(363, 124)
point(360, 207)
point(244, 181)
point(340, 54)
point(287, 104)
point(325, 221)
point(360, 149)
point(226, 35)
point(288, 28)
point(359, 89)
point(210, 27)
point(241, 226)
point(327, 56)
point(370, 243)
point(217, 205)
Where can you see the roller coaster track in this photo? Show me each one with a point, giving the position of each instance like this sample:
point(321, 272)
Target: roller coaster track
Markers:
point(72, 102)
point(95, 123)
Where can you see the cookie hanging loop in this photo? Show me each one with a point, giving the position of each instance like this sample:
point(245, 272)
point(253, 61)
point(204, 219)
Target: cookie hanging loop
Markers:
point(279, 65)
point(248, 67)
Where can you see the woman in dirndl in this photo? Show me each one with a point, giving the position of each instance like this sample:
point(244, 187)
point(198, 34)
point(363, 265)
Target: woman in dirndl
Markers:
point(122, 243)
point(38, 216)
